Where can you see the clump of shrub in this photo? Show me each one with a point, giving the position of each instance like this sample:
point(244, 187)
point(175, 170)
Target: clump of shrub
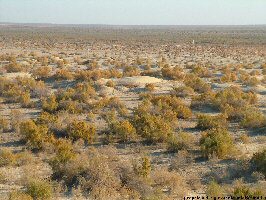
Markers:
point(240, 190)
point(39, 189)
point(18, 195)
point(110, 83)
point(7, 157)
point(182, 91)
point(150, 87)
point(196, 83)
point(182, 141)
point(34, 135)
point(42, 72)
point(252, 118)
point(259, 161)
point(63, 74)
point(165, 104)
point(209, 122)
point(131, 71)
point(201, 71)
point(216, 142)
point(170, 182)
point(124, 130)
point(214, 190)
point(228, 77)
point(143, 168)
point(3, 124)
point(175, 73)
point(81, 130)
point(13, 67)
point(50, 104)
point(151, 127)
point(64, 153)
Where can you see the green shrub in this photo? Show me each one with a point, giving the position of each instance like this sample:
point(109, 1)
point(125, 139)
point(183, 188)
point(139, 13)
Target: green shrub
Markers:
point(197, 83)
point(234, 97)
point(143, 168)
point(25, 99)
point(110, 83)
point(50, 104)
point(13, 67)
point(42, 72)
point(3, 124)
point(17, 195)
point(64, 153)
point(183, 91)
point(63, 74)
point(131, 71)
point(7, 157)
point(81, 130)
point(208, 122)
point(259, 161)
point(151, 127)
point(175, 73)
point(39, 189)
point(34, 135)
point(165, 103)
point(201, 71)
point(241, 191)
point(216, 142)
point(252, 118)
point(214, 190)
point(182, 141)
point(150, 87)
point(124, 130)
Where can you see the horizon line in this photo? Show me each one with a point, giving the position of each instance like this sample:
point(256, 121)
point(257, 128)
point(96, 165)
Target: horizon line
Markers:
point(103, 24)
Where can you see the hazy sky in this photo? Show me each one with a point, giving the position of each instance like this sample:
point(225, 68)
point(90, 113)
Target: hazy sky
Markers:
point(152, 12)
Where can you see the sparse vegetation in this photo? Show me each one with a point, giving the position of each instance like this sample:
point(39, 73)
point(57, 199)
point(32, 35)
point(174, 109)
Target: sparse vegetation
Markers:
point(131, 113)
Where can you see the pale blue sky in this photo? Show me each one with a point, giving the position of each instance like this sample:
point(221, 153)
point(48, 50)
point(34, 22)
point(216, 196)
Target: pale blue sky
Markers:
point(135, 12)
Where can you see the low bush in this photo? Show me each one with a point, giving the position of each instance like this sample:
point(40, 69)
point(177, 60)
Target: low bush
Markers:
point(63, 74)
point(201, 71)
point(81, 130)
point(64, 153)
point(50, 104)
point(240, 190)
point(150, 87)
point(214, 190)
point(259, 161)
point(175, 73)
point(39, 189)
point(151, 127)
point(42, 72)
point(182, 141)
point(216, 142)
point(209, 122)
point(182, 91)
point(7, 157)
point(14, 67)
point(124, 130)
point(252, 118)
point(131, 71)
point(3, 124)
point(164, 104)
point(197, 83)
point(110, 83)
point(34, 135)
point(18, 195)
point(143, 167)
point(171, 182)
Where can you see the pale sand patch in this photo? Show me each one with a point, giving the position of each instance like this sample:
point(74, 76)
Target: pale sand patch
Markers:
point(17, 74)
point(138, 80)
